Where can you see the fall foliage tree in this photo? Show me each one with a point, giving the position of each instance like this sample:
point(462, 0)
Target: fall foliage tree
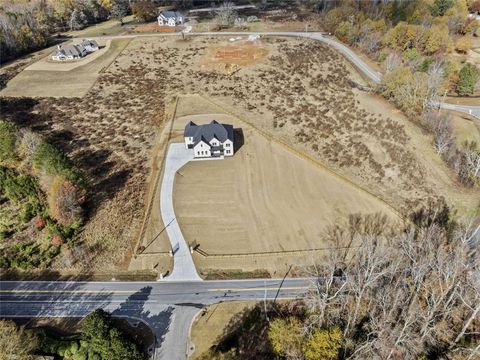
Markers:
point(463, 44)
point(323, 344)
point(286, 337)
point(144, 10)
point(16, 343)
point(65, 201)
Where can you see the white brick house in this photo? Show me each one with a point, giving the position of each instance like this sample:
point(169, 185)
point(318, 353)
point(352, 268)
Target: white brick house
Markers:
point(170, 18)
point(209, 140)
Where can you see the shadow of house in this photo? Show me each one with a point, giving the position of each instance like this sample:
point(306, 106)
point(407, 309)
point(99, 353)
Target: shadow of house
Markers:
point(239, 139)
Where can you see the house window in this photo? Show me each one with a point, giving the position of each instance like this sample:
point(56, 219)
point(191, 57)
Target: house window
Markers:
point(227, 145)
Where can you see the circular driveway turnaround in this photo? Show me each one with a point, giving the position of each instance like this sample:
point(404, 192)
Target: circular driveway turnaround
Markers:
point(183, 266)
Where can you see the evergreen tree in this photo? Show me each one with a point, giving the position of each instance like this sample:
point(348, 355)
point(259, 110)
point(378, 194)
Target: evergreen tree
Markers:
point(467, 79)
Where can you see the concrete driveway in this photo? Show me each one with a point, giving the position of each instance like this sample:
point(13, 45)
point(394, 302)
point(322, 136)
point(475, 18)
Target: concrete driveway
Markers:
point(183, 266)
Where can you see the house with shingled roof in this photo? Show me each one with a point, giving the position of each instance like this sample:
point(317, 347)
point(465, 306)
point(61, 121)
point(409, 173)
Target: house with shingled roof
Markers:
point(170, 18)
point(209, 140)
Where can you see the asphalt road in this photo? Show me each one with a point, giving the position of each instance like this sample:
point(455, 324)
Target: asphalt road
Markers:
point(167, 307)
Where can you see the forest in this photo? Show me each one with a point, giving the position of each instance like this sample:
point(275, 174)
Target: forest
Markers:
point(409, 293)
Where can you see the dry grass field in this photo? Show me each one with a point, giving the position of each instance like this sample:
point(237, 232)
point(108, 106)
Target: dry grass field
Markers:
point(263, 199)
point(465, 128)
point(208, 327)
point(303, 94)
point(76, 82)
point(299, 93)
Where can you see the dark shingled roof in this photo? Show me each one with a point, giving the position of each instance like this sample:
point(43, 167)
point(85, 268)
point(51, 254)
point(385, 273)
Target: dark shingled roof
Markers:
point(87, 42)
point(171, 14)
point(207, 132)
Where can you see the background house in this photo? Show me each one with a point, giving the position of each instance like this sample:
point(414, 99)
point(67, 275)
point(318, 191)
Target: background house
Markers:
point(73, 52)
point(170, 18)
point(69, 52)
point(209, 140)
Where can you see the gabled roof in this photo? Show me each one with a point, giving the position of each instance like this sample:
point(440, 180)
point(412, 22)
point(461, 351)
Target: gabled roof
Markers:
point(69, 50)
point(171, 14)
point(190, 129)
point(207, 132)
point(89, 42)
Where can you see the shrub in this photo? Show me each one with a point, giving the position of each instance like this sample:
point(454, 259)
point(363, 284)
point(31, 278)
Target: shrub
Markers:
point(463, 44)
point(48, 160)
point(323, 344)
point(467, 79)
point(286, 336)
point(40, 222)
point(411, 54)
point(440, 7)
point(57, 240)
point(8, 138)
point(65, 201)
point(21, 189)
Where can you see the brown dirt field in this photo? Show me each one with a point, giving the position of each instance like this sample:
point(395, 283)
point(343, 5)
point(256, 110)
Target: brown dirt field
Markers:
point(209, 325)
point(74, 83)
point(153, 27)
point(243, 54)
point(273, 200)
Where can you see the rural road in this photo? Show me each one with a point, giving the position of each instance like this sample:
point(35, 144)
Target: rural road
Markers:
point(374, 76)
point(168, 308)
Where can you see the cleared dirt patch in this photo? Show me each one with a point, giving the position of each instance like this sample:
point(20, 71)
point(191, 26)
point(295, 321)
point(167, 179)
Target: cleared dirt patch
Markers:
point(263, 199)
point(153, 27)
point(73, 83)
point(239, 53)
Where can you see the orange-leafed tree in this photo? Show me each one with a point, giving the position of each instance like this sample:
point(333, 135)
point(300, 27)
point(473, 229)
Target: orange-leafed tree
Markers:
point(65, 200)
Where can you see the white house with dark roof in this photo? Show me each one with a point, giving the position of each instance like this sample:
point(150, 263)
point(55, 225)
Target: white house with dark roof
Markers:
point(209, 140)
point(74, 52)
point(170, 18)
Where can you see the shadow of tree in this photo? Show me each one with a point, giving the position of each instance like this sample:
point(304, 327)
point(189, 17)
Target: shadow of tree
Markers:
point(42, 117)
point(159, 319)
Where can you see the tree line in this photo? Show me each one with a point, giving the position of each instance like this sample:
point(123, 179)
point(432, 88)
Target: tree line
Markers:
point(404, 292)
point(45, 189)
point(27, 26)
point(422, 48)
point(100, 339)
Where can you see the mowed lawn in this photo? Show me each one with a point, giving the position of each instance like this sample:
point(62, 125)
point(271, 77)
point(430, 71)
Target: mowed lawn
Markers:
point(265, 198)
point(74, 83)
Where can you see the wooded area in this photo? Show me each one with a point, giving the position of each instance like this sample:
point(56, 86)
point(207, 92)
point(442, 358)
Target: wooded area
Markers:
point(409, 294)
point(421, 46)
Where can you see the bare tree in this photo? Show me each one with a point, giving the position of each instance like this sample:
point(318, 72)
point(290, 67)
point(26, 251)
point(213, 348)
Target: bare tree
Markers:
point(472, 156)
point(226, 14)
